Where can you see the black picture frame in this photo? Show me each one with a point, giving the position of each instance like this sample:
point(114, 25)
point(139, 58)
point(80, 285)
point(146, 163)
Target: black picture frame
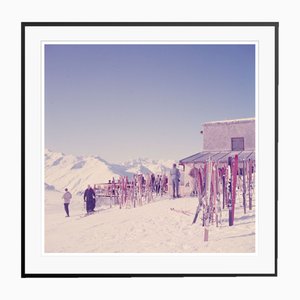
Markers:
point(25, 25)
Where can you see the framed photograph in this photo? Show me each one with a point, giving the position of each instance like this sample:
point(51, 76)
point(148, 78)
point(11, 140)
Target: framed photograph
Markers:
point(149, 149)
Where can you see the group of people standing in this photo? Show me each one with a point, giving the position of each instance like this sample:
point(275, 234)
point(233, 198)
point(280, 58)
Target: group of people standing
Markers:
point(158, 185)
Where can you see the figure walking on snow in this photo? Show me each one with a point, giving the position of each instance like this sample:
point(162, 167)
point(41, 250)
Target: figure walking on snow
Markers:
point(67, 196)
point(89, 198)
point(175, 177)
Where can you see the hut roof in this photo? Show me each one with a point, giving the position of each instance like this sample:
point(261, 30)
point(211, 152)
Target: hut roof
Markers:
point(244, 120)
point(218, 156)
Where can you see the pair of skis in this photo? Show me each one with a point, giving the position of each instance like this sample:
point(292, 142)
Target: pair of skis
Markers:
point(233, 171)
point(247, 172)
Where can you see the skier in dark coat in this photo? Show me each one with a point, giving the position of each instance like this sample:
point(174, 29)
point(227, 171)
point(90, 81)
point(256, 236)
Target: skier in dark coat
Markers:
point(90, 199)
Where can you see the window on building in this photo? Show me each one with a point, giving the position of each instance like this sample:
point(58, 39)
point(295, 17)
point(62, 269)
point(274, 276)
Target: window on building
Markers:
point(237, 144)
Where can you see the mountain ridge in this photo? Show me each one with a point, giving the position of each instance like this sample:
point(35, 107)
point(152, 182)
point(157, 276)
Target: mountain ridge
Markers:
point(76, 172)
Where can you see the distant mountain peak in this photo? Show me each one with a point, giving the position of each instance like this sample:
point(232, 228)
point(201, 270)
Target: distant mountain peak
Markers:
point(76, 172)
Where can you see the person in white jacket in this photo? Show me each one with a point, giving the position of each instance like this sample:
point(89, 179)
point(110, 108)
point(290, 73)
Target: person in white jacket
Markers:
point(67, 199)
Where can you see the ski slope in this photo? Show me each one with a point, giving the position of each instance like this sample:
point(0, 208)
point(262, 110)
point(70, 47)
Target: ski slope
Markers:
point(164, 226)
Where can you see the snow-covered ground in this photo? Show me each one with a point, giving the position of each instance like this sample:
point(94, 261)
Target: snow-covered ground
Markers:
point(163, 226)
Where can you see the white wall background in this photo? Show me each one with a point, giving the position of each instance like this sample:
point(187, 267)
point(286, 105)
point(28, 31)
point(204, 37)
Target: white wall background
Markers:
point(12, 13)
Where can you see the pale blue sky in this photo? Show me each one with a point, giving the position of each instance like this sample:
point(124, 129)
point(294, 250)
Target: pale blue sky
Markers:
point(127, 101)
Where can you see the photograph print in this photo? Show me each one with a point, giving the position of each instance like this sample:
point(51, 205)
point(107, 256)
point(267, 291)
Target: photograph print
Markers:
point(149, 149)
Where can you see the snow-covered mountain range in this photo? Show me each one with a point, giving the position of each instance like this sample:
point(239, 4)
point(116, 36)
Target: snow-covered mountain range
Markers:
point(76, 172)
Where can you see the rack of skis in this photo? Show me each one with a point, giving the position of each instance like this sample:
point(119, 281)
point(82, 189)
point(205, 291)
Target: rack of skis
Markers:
point(132, 193)
point(218, 185)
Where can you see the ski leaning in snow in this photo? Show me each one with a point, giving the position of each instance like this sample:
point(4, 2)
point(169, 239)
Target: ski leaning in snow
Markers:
point(199, 193)
point(218, 208)
point(197, 211)
point(250, 183)
point(234, 181)
point(229, 185)
point(207, 208)
point(244, 187)
point(223, 187)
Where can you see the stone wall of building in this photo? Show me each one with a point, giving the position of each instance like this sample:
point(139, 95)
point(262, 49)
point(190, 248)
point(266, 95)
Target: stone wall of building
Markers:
point(217, 135)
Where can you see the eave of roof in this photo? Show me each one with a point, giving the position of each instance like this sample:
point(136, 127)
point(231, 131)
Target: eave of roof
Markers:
point(230, 121)
point(218, 156)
